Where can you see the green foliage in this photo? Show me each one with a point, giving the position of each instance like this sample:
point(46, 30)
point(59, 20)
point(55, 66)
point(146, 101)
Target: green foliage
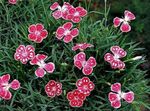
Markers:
point(15, 19)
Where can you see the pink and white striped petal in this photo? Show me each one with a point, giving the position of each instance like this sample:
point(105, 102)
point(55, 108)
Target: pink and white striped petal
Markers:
point(87, 70)
point(40, 72)
point(129, 15)
point(5, 78)
point(68, 26)
point(54, 6)
point(80, 56)
point(49, 67)
point(116, 104)
point(125, 27)
point(116, 87)
point(8, 95)
point(74, 32)
point(68, 38)
point(108, 57)
point(15, 84)
point(113, 97)
point(128, 97)
point(57, 14)
point(91, 62)
point(78, 64)
point(117, 21)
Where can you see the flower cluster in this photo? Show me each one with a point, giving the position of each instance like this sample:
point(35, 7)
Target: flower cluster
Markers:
point(77, 96)
point(53, 88)
point(5, 86)
point(67, 32)
point(125, 27)
point(43, 67)
point(24, 53)
point(81, 63)
point(81, 46)
point(116, 96)
point(114, 60)
point(68, 12)
point(37, 33)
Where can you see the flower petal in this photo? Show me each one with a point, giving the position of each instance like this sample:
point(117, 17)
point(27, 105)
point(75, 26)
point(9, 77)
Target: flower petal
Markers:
point(116, 104)
point(39, 39)
point(34, 61)
point(68, 26)
point(57, 14)
point(87, 70)
point(74, 32)
point(91, 86)
point(129, 15)
point(125, 27)
point(41, 57)
point(44, 34)
point(129, 96)
point(59, 92)
point(113, 97)
point(121, 65)
point(40, 72)
point(70, 96)
point(117, 21)
point(76, 19)
point(32, 28)
point(7, 96)
point(60, 32)
point(5, 78)
point(68, 38)
point(78, 64)
point(91, 62)
point(74, 103)
point(49, 67)
point(54, 6)
point(108, 57)
point(39, 27)
point(15, 84)
point(80, 56)
point(116, 87)
point(32, 37)
point(21, 49)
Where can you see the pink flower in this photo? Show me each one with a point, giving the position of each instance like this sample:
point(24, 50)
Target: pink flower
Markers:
point(43, 67)
point(85, 86)
point(60, 12)
point(24, 54)
point(76, 14)
point(76, 98)
point(37, 33)
point(125, 27)
point(114, 60)
point(80, 62)
point(67, 32)
point(116, 96)
point(12, 1)
point(53, 88)
point(5, 85)
point(81, 46)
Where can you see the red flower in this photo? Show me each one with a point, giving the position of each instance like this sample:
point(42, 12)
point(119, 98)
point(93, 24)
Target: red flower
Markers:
point(116, 96)
point(60, 12)
point(114, 60)
point(12, 1)
point(67, 32)
point(81, 46)
point(80, 62)
point(125, 27)
point(37, 33)
point(53, 88)
point(85, 86)
point(76, 14)
point(76, 98)
point(5, 85)
point(43, 67)
point(24, 54)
